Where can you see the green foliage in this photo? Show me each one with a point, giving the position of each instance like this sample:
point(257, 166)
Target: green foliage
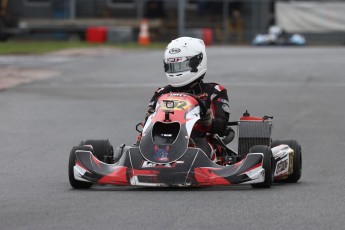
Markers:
point(41, 47)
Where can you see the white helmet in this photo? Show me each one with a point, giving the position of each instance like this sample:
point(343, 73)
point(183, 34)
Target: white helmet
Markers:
point(185, 61)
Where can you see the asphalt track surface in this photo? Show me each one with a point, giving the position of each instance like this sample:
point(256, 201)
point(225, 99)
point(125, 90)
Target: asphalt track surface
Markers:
point(105, 95)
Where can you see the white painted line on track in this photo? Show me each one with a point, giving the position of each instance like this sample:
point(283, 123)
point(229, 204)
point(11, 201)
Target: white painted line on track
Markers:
point(240, 84)
point(157, 85)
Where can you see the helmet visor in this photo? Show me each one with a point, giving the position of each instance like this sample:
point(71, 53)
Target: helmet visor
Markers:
point(182, 64)
point(176, 65)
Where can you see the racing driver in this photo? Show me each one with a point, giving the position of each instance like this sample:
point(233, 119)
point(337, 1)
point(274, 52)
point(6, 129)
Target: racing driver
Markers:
point(185, 66)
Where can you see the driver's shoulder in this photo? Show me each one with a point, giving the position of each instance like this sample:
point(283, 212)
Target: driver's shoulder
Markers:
point(214, 87)
point(163, 90)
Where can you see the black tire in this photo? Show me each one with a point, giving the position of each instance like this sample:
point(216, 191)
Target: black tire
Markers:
point(267, 165)
point(297, 160)
point(75, 183)
point(101, 148)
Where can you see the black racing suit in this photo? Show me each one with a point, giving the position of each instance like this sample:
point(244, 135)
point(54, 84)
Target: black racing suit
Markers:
point(215, 98)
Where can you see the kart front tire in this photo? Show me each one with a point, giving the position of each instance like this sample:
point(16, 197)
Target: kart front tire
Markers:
point(267, 165)
point(75, 183)
point(101, 148)
point(297, 160)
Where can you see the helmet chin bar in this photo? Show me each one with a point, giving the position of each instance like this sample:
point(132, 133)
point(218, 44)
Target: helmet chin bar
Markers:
point(188, 79)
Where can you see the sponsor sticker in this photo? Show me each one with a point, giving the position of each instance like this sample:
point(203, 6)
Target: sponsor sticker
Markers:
point(173, 60)
point(226, 108)
point(177, 94)
point(148, 164)
point(174, 50)
point(281, 166)
point(223, 100)
point(161, 154)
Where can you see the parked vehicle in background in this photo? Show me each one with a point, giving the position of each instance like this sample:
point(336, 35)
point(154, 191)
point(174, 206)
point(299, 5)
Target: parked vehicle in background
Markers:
point(277, 36)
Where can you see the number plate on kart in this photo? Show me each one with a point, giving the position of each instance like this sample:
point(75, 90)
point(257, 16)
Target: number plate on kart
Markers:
point(174, 105)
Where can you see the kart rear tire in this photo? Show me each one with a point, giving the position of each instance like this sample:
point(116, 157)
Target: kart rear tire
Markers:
point(101, 148)
point(75, 183)
point(297, 160)
point(267, 165)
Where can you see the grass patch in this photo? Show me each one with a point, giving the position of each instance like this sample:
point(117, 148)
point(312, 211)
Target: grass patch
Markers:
point(41, 47)
point(37, 47)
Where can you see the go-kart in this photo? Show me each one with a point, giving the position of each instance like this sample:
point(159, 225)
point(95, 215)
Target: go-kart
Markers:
point(277, 36)
point(166, 155)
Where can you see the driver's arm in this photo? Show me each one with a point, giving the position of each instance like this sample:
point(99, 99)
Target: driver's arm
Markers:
point(221, 111)
point(151, 109)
